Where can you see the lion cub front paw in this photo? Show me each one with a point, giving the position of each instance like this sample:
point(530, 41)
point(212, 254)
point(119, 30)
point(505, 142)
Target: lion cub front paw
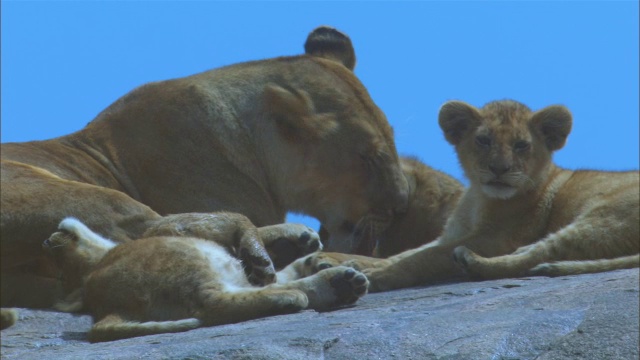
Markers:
point(367, 263)
point(257, 264)
point(546, 269)
point(465, 258)
point(348, 284)
point(288, 242)
point(318, 262)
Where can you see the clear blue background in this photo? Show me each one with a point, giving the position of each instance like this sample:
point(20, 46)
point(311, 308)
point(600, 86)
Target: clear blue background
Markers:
point(63, 62)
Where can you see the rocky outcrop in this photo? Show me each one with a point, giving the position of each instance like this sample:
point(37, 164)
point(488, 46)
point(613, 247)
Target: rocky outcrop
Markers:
point(591, 316)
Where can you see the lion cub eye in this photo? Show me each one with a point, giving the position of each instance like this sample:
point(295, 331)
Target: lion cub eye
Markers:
point(483, 140)
point(521, 145)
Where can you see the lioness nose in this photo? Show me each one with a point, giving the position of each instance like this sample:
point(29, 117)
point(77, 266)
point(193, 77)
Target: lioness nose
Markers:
point(499, 169)
point(402, 197)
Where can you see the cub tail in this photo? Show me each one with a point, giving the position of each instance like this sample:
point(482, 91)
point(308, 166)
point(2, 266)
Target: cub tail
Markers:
point(114, 327)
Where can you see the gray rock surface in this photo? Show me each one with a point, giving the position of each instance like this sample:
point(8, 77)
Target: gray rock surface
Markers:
point(576, 317)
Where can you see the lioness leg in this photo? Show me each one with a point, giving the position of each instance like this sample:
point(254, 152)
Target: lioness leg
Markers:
point(32, 204)
point(590, 238)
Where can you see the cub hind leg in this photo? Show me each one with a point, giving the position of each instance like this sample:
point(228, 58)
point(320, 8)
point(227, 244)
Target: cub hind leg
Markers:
point(250, 303)
point(329, 287)
point(589, 239)
point(563, 268)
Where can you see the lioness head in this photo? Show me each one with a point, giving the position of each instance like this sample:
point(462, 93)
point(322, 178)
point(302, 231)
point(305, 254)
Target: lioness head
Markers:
point(330, 122)
point(504, 147)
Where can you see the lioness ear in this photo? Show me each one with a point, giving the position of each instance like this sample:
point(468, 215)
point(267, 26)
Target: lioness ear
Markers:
point(554, 123)
point(455, 118)
point(329, 43)
point(295, 115)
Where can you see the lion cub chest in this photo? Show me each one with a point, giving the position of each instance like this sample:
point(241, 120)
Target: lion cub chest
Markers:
point(163, 273)
point(228, 269)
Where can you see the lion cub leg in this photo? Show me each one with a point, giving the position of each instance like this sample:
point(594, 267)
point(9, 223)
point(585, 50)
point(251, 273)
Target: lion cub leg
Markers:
point(582, 247)
point(563, 268)
point(288, 242)
point(233, 231)
point(330, 287)
point(318, 261)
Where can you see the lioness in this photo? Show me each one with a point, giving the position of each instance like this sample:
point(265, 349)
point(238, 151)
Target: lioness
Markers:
point(521, 215)
point(167, 283)
point(260, 138)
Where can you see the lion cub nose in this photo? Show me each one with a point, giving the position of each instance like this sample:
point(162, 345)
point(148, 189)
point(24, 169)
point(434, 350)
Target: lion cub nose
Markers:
point(499, 169)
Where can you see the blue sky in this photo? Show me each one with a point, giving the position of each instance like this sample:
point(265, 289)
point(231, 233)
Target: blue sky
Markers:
point(63, 62)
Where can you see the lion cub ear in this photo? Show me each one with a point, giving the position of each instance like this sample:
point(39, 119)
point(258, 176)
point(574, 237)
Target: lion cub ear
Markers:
point(329, 43)
point(456, 118)
point(554, 123)
point(295, 115)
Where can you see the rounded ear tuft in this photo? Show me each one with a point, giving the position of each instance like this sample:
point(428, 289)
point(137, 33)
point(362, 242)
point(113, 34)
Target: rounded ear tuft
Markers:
point(295, 115)
point(455, 118)
point(329, 43)
point(554, 123)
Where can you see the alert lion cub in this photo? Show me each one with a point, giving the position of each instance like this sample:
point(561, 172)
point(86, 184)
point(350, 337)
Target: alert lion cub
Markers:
point(521, 215)
point(169, 282)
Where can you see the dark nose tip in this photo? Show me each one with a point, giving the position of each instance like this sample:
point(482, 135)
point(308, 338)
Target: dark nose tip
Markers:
point(46, 243)
point(499, 169)
point(401, 202)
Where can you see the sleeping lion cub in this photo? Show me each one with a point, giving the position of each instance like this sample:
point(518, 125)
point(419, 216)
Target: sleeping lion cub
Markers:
point(171, 281)
point(521, 215)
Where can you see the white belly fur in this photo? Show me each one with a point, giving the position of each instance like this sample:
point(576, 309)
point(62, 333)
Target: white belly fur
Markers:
point(229, 269)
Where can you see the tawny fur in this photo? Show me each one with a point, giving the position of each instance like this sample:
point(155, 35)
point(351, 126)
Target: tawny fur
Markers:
point(168, 283)
point(432, 197)
point(522, 214)
point(8, 317)
point(261, 138)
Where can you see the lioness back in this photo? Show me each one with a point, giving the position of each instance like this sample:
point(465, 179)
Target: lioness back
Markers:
point(261, 138)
